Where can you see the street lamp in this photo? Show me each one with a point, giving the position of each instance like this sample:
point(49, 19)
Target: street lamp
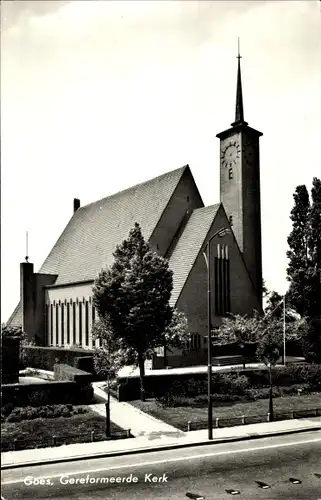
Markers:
point(221, 232)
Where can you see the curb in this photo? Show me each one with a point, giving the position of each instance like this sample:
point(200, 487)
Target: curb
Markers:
point(159, 448)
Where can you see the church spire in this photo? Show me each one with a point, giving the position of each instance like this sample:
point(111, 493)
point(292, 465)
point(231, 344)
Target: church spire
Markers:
point(239, 112)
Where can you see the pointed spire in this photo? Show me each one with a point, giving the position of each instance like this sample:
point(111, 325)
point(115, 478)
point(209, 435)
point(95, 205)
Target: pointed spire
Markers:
point(239, 112)
point(27, 257)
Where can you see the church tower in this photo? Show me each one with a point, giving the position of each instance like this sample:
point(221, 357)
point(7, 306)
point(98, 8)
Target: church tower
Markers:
point(240, 186)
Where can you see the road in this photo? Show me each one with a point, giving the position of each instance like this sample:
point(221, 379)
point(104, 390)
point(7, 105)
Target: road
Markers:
point(206, 471)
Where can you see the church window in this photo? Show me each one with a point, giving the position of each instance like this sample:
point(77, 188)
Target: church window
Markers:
point(187, 198)
point(57, 323)
point(74, 323)
point(62, 324)
point(92, 323)
point(80, 323)
point(222, 282)
point(231, 220)
point(51, 324)
point(230, 173)
point(68, 323)
point(87, 323)
point(47, 323)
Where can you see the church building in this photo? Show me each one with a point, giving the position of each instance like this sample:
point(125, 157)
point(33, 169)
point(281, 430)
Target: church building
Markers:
point(55, 305)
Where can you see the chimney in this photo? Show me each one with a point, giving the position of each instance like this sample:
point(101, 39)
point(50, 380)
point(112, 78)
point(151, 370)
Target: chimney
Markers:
point(76, 204)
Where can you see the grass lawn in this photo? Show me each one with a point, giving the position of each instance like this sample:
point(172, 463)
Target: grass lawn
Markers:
point(38, 432)
point(179, 416)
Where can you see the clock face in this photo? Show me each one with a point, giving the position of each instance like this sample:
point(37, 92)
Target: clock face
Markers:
point(230, 154)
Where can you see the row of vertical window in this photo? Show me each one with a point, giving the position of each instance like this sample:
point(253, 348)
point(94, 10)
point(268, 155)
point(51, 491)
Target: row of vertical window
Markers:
point(68, 329)
point(222, 286)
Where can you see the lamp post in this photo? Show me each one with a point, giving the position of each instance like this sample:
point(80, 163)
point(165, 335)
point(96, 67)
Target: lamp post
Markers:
point(207, 256)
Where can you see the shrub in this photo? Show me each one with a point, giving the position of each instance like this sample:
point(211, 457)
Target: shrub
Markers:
point(7, 409)
point(231, 383)
point(48, 411)
point(38, 398)
point(262, 393)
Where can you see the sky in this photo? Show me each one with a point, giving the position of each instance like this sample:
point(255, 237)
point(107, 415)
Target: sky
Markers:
point(97, 96)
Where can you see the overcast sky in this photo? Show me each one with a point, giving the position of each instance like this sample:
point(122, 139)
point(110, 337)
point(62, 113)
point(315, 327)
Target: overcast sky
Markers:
point(97, 96)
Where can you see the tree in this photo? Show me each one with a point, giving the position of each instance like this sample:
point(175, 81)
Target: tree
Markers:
point(268, 351)
point(250, 330)
point(109, 358)
point(304, 254)
point(132, 297)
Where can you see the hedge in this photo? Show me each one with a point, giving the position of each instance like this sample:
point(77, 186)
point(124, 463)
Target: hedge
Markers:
point(67, 372)
point(59, 392)
point(46, 357)
point(158, 385)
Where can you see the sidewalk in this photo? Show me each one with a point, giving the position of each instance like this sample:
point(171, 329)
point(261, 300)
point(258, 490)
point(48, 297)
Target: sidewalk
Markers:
point(154, 441)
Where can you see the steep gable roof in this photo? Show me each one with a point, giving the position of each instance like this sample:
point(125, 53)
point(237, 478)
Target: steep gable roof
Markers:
point(188, 247)
point(88, 241)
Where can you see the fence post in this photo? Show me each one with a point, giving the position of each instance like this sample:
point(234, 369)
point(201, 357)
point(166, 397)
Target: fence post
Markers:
point(189, 424)
point(243, 419)
point(268, 417)
point(217, 422)
point(292, 414)
point(54, 440)
point(128, 433)
point(92, 436)
point(15, 444)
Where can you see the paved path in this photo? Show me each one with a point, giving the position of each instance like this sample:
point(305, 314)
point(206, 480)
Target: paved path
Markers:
point(128, 417)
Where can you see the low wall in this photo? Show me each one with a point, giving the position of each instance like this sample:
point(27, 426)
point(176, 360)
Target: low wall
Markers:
point(58, 392)
point(46, 357)
point(10, 360)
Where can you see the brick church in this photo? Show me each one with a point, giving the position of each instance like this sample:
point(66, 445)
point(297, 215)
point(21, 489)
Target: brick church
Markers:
point(55, 305)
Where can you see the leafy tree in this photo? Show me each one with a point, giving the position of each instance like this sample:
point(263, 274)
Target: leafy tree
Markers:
point(11, 331)
point(304, 269)
point(268, 351)
point(132, 297)
point(251, 330)
point(109, 358)
point(312, 341)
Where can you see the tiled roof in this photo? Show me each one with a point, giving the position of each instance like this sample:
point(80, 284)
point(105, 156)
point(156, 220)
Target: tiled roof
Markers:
point(88, 241)
point(188, 247)
point(15, 318)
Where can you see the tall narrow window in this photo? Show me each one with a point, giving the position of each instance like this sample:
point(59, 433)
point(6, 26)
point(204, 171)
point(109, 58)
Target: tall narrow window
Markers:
point(92, 324)
point(231, 220)
point(68, 323)
point(51, 324)
point(74, 326)
point(230, 173)
point(222, 282)
point(87, 323)
point(62, 324)
point(47, 323)
point(80, 323)
point(57, 324)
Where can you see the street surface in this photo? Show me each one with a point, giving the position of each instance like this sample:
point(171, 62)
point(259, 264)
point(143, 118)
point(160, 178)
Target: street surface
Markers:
point(207, 471)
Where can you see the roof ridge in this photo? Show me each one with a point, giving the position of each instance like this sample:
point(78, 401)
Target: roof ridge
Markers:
point(135, 186)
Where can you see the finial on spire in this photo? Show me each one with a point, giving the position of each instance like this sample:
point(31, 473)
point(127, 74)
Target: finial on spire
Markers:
point(239, 112)
point(27, 258)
